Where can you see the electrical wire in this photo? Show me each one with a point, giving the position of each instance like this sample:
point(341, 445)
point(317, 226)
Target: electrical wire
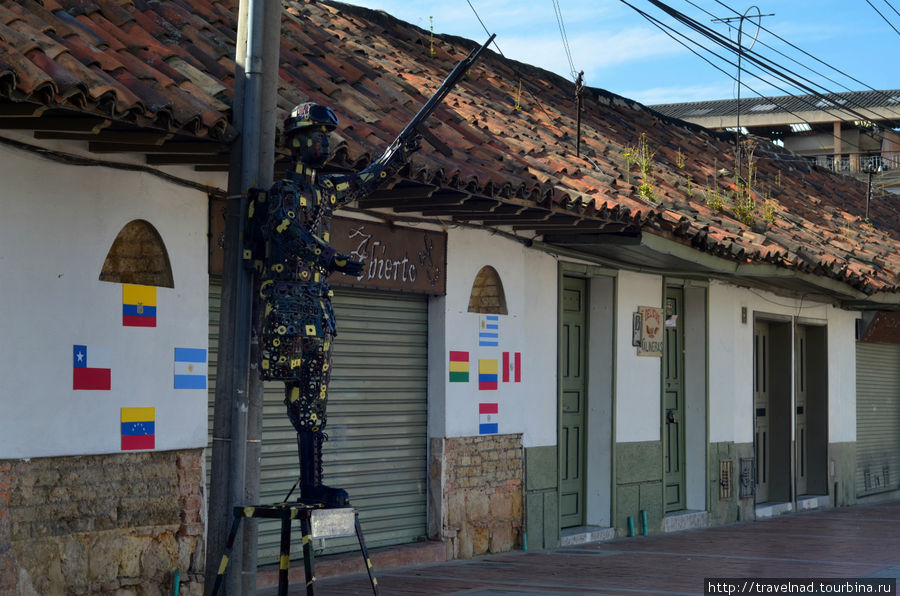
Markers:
point(565, 38)
point(517, 71)
point(805, 66)
point(892, 7)
point(883, 17)
point(804, 52)
point(663, 27)
point(787, 75)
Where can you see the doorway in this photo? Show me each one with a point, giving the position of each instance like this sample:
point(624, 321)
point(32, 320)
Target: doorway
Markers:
point(572, 402)
point(674, 409)
point(772, 363)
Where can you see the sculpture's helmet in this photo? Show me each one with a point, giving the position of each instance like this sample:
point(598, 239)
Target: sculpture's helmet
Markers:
point(310, 114)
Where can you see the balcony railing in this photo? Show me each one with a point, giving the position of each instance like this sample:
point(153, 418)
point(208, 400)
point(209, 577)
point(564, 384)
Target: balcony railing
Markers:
point(857, 163)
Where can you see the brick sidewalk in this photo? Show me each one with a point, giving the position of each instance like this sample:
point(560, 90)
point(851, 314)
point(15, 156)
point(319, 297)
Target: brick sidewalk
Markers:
point(853, 542)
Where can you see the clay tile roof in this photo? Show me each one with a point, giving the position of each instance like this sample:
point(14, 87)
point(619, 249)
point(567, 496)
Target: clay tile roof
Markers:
point(155, 64)
point(506, 133)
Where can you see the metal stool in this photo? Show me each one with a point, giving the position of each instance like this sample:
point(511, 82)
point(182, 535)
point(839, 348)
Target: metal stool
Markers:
point(287, 512)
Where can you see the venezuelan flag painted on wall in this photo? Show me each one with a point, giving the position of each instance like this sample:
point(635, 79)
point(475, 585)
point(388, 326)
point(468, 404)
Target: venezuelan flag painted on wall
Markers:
point(487, 374)
point(138, 428)
point(138, 306)
point(459, 367)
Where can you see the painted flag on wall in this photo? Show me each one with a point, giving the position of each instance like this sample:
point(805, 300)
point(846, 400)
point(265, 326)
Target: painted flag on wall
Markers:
point(487, 375)
point(459, 367)
point(190, 368)
point(488, 419)
point(489, 330)
point(90, 368)
point(138, 428)
point(512, 366)
point(138, 306)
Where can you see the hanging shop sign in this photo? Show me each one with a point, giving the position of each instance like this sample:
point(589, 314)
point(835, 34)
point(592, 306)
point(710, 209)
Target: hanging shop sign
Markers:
point(394, 257)
point(651, 331)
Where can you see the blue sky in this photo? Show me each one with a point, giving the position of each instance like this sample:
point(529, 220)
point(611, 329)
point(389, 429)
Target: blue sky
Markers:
point(619, 50)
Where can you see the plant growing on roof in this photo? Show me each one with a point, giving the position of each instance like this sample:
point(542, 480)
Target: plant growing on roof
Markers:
point(431, 51)
point(769, 210)
point(680, 160)
point(647, 193)
point(640, 156)
point(714, 199)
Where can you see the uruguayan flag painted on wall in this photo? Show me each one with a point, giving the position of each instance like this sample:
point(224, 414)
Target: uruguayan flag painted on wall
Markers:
point(190, 368)
point(489, 330)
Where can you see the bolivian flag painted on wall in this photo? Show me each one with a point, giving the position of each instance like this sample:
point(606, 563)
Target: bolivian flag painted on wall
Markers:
point(459, 367)
point(138, 428)
point(138, 306)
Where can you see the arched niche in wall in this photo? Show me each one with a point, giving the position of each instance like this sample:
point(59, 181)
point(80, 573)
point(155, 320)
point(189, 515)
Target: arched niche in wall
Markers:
point(487, 293)
point(138, 256)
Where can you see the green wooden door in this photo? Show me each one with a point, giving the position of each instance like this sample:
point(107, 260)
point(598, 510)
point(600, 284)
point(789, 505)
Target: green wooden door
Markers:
point(761, 385)
point(572, 402)
point(673, 388)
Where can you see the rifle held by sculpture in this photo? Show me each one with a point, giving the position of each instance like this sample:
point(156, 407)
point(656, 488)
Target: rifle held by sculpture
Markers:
point(409, 132)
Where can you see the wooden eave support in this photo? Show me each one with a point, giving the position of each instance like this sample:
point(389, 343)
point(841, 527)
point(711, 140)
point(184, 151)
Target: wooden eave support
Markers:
point(56, 123)
point(137, 137)
point(187, 147)
point(581, 240)
point(169, 159)
point(19, 110)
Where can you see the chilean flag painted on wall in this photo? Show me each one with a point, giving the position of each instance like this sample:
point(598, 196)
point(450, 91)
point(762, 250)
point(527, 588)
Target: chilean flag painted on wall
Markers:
point(90, 368)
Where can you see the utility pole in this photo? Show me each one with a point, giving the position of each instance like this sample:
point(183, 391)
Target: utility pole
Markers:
point(238, 405)
point(740, 53)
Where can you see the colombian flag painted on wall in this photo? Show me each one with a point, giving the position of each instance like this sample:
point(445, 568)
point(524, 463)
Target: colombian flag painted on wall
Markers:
point(138, 306)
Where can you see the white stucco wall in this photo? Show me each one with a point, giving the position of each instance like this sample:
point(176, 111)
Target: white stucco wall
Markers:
point(530, 283)
point(638, 390)
point(731, 360)
point(58, 224)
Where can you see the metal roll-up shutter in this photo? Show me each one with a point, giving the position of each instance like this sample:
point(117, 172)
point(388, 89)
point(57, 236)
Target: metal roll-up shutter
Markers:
point(877, 417)
point(376, 422)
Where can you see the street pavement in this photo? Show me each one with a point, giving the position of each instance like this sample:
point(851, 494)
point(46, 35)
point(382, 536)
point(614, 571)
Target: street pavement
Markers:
point(848, 543)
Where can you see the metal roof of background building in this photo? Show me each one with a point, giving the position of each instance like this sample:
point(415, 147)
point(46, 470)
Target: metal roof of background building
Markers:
point(496, 154)
point(885, 103)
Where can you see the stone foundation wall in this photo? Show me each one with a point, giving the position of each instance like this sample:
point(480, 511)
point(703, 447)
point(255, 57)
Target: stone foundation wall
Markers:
point(108, 524)
point(482, 493)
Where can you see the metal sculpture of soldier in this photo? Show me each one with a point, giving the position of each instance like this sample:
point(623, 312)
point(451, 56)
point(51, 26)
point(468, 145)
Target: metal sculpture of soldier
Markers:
point(291, 224)
point(288, 236)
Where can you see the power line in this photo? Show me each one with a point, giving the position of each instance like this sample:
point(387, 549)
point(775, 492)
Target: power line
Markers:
point(892, 7)
point(565, 38)
point(883, 17)
point(663, 27)
point(792, 78)
point(891, 113)
point(517, 71)
point(804, 52)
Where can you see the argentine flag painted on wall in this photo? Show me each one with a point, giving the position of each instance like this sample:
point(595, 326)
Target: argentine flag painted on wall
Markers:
point(190, 368)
